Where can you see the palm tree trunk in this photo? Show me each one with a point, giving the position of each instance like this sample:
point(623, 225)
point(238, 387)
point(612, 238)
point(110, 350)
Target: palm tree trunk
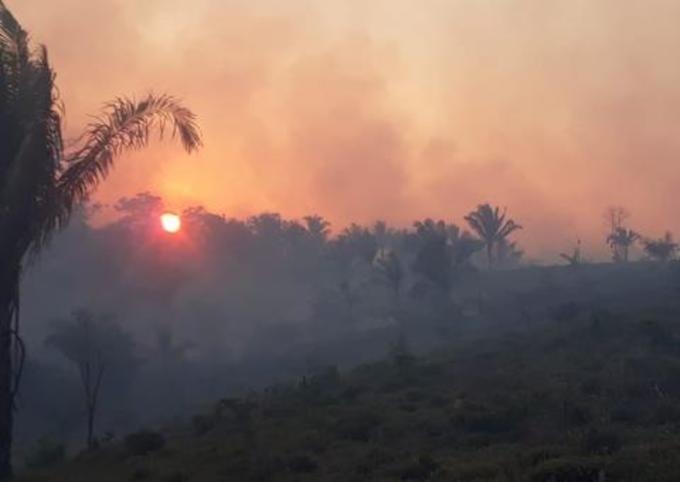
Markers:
point(9, 280)
point(90, 427)
point(489, 255)
point(6, 408)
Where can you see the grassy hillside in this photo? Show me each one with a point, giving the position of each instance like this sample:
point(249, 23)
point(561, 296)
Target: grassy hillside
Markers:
point(588, 395)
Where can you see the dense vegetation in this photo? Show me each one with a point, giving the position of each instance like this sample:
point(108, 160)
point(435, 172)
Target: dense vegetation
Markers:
point(583, 387)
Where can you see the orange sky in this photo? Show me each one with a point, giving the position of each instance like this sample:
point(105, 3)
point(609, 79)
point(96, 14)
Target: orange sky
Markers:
point(393, 109)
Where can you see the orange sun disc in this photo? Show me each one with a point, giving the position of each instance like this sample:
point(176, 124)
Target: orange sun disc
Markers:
point(171, 223)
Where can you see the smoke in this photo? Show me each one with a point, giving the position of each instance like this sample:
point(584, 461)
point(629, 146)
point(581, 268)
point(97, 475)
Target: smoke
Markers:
point(390, 109)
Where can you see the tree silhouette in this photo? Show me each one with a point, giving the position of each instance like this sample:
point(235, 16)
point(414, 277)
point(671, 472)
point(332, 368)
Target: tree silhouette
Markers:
point(662, 249)
point(94, 345)
point(317, 227)
point(620, 240)
point(443, 252)
point(615, 216)
point(41, 183)
point(433, 257)
point(356, 242)
point(492, 227)
point(462, 246)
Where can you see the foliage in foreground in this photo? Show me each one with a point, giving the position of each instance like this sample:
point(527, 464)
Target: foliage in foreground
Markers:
point(589, 398)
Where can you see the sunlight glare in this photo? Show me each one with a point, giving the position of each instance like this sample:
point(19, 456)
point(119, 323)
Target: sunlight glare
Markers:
point(171, 222)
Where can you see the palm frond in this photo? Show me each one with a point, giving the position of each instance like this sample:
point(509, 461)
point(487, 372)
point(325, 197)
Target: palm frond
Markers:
point(30, 150)
point(125, 125)
point(508, 228)
point(12, 36)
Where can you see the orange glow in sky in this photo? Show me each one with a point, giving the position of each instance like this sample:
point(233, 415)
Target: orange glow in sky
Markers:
point(392, 109)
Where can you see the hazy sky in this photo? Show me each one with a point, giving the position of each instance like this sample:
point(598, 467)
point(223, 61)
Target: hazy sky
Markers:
point(393, 109)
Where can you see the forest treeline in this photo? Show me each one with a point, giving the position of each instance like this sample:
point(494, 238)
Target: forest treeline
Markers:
point(132, 317)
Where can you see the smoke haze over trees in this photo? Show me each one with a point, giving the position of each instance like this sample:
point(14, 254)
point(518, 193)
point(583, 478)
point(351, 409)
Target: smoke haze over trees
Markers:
point(439, 106)
point(417, 236)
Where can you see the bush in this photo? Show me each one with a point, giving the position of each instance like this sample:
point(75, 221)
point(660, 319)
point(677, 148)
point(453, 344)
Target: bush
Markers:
point(47, 453)
point(144, 442)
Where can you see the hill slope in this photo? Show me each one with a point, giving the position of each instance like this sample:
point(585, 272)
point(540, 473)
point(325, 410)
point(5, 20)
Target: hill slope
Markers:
point(592, 397)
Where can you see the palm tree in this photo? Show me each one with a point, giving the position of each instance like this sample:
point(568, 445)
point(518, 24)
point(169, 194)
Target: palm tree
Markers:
point(317, 227)
point(41, 182)
point(620, 240)
point(492, 227)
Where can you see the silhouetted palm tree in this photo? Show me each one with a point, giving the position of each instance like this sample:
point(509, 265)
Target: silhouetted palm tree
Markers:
point(492, 227)
point(433, 257)
point(462, 246)
point(620, 240)
point(317, 227)
point(41, 184)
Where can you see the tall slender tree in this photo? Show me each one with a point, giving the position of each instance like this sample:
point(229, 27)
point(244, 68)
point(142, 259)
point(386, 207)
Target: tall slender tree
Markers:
point(98, 348)
point(41, 182)
point(491, 225)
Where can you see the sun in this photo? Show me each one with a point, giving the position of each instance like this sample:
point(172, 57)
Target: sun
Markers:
point(171, 223)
